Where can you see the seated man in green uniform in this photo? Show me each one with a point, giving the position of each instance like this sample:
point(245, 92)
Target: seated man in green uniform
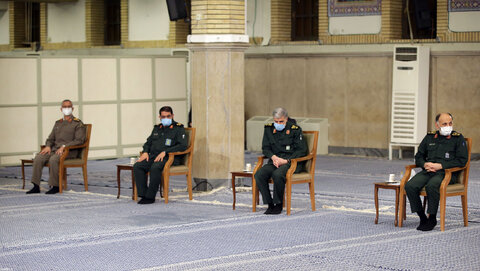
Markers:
point(439, 150)
point(67, 131)
point(169, 136)
point(282, 141)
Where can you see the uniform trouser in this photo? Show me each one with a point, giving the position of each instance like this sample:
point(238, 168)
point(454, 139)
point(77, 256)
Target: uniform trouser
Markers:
point(431, 181)
point(40, 161)
point(140, 170)
point(279, 178)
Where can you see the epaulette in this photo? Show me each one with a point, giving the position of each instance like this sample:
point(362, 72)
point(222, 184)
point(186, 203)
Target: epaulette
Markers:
point(456, 134)
point(60, 120)
point(432, 132)
point(268, 124)
point(76, 119)
point(179, 124)
point(295, 127)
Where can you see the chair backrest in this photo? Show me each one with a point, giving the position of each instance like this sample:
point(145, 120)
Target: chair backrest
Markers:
point(190, 134)
point(311, 139)
point(84, 152)
point(463, 176)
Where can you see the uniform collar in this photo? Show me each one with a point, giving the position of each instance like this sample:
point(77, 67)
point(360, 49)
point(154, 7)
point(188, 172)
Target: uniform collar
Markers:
point(69, 120)
point(437, 134)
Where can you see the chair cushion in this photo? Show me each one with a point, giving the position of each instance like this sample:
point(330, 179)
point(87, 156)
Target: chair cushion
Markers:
point(177, 169)
point(76, 161)
point(301, 176)
point(451, 188)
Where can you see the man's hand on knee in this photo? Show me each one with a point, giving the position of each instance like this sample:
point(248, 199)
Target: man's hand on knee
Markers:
point(46, 150)
point(160, 157)
point(144, 156)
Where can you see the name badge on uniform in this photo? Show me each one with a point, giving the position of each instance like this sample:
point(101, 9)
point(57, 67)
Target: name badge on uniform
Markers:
point(447, 155)
point(168, 142)
point(155, 134)
point(287, 147)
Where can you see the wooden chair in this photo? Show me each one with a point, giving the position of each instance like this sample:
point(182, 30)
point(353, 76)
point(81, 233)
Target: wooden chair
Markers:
point(446, 189)
point(308, 176)
point(185, 168)
point(81, 161)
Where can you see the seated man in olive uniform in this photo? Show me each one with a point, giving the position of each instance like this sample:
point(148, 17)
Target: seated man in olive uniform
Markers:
point(169, 136)
point(282, 141)
point(439, 150)
point(67, 131)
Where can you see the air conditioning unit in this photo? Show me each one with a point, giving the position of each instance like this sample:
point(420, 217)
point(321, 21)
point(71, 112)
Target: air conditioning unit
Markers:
point(411, 66)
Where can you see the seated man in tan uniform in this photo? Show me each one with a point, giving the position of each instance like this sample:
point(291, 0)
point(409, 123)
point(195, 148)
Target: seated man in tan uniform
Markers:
point(67, 131)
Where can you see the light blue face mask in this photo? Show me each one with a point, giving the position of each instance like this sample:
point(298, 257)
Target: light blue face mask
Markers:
point(166, 122)
point(278, 126)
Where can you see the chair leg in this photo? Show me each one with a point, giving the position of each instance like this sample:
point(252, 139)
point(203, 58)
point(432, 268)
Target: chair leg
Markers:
point(465, 210)
point(312, 194)
point(60, 180)
point(85, 176)
point(289, 196)
point(189, 186)
point(425, 199)
point(254, 195)
point(443, 201)
point(165, 187)
point(402, 206)
point(23, 174)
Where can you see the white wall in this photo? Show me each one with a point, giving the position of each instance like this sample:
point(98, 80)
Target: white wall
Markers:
point(464, 21)
point(120, 96)
point(66, 22)
point(262, 22)
point(352, 25)
point(4, 27)
point(148, 20)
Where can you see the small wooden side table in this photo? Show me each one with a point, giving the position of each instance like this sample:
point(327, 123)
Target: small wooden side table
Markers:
point(134, 187)
point(247, 174)
point(393, 186)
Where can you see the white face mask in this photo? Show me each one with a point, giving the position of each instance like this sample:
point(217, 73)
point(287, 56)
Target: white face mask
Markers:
point(446, 131)
point(67, 111)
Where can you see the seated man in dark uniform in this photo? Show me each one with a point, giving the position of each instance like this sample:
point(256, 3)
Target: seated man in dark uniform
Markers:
point(67, 131)
point(282, 141)
point(439, 150)
point(169, 136)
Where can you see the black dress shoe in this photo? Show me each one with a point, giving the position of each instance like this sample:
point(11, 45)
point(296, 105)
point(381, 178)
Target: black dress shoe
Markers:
point(277, 209)
point(53, 190)
point(422, 224)
point(431, 223)
point(146, 201)
point(34, 190)
point(269, 209)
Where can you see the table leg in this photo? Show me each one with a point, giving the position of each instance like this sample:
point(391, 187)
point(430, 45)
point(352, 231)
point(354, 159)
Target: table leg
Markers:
point(134, 188)
point(23, 174)
point(376, 204)
point(233, 190)
point(118, 182)
point(397, 192)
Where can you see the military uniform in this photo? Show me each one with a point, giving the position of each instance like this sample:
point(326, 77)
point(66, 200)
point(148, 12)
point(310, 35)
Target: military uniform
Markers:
point(168, 139)
point(68, 132)
point(286, 144)
point(450, 151)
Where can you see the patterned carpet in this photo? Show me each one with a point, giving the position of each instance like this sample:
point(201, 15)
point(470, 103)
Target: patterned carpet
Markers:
point(96, 231)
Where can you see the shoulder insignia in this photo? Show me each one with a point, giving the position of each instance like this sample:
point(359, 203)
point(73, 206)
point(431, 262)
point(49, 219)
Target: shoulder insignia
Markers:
point(179, 124)
point(268, 125)
point(295, 127)
point(432, 132)
point(60, 120)
point(456, 134)
point(76, 119)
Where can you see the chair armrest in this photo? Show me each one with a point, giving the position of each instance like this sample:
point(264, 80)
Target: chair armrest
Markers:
point(406, 175)
point(304, 158)
point(448, 177)
point(259, 164)
point(179, 152)
point(67, 149)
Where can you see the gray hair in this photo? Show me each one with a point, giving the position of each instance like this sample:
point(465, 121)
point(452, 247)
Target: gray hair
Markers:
point(279, 112)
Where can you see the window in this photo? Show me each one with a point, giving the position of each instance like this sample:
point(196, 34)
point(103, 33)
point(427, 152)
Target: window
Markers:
point(26, 24)
point(112, 22)
point(304, 20)
point(420, 20)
